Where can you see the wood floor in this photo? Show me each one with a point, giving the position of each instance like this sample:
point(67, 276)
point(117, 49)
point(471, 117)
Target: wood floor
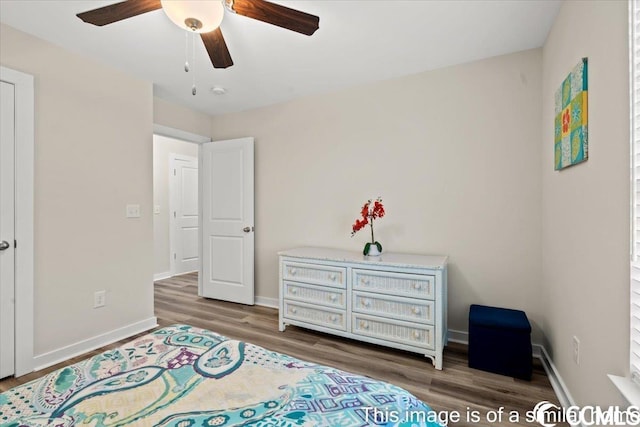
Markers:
point(455, 388)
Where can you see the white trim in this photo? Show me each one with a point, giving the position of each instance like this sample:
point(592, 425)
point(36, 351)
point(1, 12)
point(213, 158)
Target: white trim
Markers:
point(267, 302)
point(179, 134)
point(24, 159)
point(168, 275)
point(172, 219)
point(65, 353)
point(538, 351)
point(200, 210)
point(628, 388)
point(161, 276)
point(561, 389)
point(460, 337)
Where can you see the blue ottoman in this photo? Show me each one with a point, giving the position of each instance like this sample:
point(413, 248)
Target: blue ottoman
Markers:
point(500, 341)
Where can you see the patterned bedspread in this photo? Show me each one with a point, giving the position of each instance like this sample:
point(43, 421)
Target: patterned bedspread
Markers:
point(182, 376)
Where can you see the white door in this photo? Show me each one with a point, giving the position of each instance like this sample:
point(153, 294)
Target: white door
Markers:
point(184, 214)
point(227, 220)
point(7, 229)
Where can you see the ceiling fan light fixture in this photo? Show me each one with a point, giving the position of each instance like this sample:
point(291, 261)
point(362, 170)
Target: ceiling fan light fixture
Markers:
point(200, 16)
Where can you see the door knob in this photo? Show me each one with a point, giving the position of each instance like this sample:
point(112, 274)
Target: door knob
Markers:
point(246, 229)
point(4, 245)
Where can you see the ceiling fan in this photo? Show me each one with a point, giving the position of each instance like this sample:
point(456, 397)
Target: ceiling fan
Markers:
point(205, 16)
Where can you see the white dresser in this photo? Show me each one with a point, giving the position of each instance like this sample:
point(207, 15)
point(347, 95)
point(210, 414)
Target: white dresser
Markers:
point(396, 300)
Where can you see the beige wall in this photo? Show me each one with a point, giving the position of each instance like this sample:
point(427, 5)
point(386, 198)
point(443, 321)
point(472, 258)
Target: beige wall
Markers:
point(585, 243)
point(93, 130)
point(462, 157)
point(454, 153)
point(176, 116)
point(162, 147)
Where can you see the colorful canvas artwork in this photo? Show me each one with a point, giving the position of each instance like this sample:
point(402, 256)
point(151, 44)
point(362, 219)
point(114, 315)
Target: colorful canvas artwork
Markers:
point(571, 119)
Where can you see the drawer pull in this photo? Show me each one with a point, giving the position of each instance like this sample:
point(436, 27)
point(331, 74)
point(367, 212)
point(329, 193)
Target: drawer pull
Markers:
point(417, 286)
point(364, 325)
point(294, 291)
point(294, 310)
point(366, 303)
point(416, 334)
point(416, 310)
point(333, 317)
point(292, 271)
point(333, 276)
point(333, 297)
point(364, 281)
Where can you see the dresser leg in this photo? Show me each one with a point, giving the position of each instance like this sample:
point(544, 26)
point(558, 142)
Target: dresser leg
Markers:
point(436, 361)
point(281, 326)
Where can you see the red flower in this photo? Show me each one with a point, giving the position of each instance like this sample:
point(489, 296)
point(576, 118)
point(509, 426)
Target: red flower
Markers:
point(368, 214)
point(378, 210)
point(365, 210)
point(359, 225)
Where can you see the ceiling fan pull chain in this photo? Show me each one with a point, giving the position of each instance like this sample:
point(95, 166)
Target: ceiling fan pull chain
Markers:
point(193, 61)
point(186, 52)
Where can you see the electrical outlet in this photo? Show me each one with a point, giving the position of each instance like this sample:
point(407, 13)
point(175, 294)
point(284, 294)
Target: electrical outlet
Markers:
point(576, 350)
point(133, 211)
point(99, 299)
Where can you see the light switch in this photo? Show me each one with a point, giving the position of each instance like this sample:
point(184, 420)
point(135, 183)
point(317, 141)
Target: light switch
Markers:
point(156, 209)
point(133, 211)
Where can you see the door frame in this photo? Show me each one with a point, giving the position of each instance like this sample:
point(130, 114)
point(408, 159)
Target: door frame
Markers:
point(179, 134)
point(24, 215)
point(173, 203)
point(185, 136)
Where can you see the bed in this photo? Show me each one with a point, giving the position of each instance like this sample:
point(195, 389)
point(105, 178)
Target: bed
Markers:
point(183, 376)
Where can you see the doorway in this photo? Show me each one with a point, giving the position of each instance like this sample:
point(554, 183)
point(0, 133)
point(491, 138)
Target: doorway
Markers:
point(225, 212)
point(175, 206)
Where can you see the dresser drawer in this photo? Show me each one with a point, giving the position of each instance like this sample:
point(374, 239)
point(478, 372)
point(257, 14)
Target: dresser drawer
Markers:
point(397, 331)
point(334, 319)
point(413, 310)
point(316, 274)
point(323, 295)
point(401, 284)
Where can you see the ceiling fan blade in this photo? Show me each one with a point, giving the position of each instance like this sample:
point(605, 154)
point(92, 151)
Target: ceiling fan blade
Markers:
point(276, 14)
point(118, 11)
point(217, 48)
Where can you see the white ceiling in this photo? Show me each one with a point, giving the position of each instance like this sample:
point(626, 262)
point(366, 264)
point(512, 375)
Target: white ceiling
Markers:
point(359, 41)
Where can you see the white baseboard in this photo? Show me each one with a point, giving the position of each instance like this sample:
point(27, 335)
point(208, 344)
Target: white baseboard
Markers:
point(161, 276)
point(65, 353)
point(268, 302)
point(460, 337)
point(557, 383)
point(538, 350)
